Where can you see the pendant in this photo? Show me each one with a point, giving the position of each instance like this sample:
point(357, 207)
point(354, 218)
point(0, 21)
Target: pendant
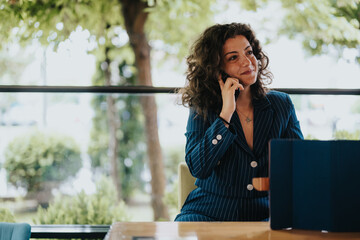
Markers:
point(248, 120)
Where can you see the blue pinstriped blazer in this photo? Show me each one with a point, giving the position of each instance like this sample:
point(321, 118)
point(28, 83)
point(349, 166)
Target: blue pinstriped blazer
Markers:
point(220, 158)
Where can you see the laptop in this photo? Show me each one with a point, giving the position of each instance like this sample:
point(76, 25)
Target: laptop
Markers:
point(315, 185)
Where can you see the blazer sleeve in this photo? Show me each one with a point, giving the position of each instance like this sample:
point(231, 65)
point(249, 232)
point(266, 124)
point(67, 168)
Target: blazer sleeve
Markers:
point(293, 126)
point(206, 144)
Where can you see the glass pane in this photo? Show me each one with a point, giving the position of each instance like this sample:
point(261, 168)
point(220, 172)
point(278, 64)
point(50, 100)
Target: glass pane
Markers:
point(72, 65)
point(326, 117)
point(58, 145)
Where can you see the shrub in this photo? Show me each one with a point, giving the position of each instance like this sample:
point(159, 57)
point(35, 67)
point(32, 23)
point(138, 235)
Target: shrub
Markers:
point(346, 135)
point(35, 158)
point(6, 215)
point(98, 208)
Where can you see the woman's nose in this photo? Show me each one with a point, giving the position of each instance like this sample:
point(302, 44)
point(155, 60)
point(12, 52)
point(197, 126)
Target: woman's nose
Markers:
point(245, 62)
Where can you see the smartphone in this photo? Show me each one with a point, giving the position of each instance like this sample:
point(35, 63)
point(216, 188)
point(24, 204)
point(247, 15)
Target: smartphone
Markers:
point(224, 76)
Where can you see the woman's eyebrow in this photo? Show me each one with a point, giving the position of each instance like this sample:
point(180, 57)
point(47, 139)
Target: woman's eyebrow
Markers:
point(230, 53)
point(248, 46)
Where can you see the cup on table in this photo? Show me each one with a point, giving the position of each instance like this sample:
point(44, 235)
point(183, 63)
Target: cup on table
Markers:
point(261, 183)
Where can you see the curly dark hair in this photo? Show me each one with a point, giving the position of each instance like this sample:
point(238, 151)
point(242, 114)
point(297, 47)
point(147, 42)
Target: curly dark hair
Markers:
point(202, 91)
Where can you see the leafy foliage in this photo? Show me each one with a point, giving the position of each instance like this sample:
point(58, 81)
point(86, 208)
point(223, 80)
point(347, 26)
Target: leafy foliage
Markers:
point(323, 26)
point(52, 21)
point(99, 208)
point(171, 26)
point(310, 137)
point(35, 158)
point(175, 23)
point(6, 215)
point(12, 65)
point(322, 23)
point(346, 135)
point(253, 5)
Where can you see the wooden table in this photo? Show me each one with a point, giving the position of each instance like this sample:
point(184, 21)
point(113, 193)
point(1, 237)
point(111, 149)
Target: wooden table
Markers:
point(213, 230)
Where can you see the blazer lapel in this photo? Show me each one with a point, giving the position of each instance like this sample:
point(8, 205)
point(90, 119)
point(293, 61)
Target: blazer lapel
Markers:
point(263, 119)
point(241, 140)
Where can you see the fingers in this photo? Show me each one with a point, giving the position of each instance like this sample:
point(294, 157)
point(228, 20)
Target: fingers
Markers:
point(240, 86)
point(228, 89)
point(221, 82)
point(230, 82)
point(236, 84)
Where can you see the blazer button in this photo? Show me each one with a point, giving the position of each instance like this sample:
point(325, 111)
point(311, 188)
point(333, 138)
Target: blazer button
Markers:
point(218, 163)
point(253, 164)
point(218, 137)
point(250, 187)
point(214, 141)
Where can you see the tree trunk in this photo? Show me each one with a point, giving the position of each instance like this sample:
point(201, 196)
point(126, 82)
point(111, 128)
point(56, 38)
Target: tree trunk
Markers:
point(114, 125)
point(43, 195)
point(135, 19)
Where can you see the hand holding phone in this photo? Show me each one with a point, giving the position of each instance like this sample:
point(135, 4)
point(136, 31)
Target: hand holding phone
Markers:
point(225, 76)
point(229, 105)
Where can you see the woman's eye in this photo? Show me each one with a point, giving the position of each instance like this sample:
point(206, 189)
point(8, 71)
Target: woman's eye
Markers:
point(232, 58)
point(250, 52)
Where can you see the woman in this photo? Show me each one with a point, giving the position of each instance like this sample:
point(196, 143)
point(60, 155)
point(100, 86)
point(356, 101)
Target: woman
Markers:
point(232, 118)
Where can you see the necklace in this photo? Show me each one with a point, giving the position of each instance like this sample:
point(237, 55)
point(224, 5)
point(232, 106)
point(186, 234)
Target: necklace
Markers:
point(247, 119)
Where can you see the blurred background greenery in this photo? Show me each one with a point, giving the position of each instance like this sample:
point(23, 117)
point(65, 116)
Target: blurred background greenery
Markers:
point(98, 158)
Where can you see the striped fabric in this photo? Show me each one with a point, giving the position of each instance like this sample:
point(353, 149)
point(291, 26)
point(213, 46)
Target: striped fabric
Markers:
point(224, 165)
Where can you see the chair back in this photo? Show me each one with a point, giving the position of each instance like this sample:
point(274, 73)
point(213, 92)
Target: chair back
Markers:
point(186, 183)
point(15, 231)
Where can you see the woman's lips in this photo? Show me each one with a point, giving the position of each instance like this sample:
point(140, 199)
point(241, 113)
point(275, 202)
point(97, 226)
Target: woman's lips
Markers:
point(247, 72)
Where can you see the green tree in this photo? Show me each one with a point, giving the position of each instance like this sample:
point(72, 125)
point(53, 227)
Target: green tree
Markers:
point(51, 22)
point(130, 136)
point(39, 162)
point(319, 24)
point(324, 23)
point(174, 23)
point(136, 19)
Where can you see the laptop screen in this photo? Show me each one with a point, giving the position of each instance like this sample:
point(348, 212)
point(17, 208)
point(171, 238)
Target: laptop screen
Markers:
point(315, 184)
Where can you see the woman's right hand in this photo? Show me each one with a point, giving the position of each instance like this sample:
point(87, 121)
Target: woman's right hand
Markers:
point(228, 96)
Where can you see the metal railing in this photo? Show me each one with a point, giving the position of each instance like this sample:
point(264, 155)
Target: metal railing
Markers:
point(99, 231)
point(150, 90)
